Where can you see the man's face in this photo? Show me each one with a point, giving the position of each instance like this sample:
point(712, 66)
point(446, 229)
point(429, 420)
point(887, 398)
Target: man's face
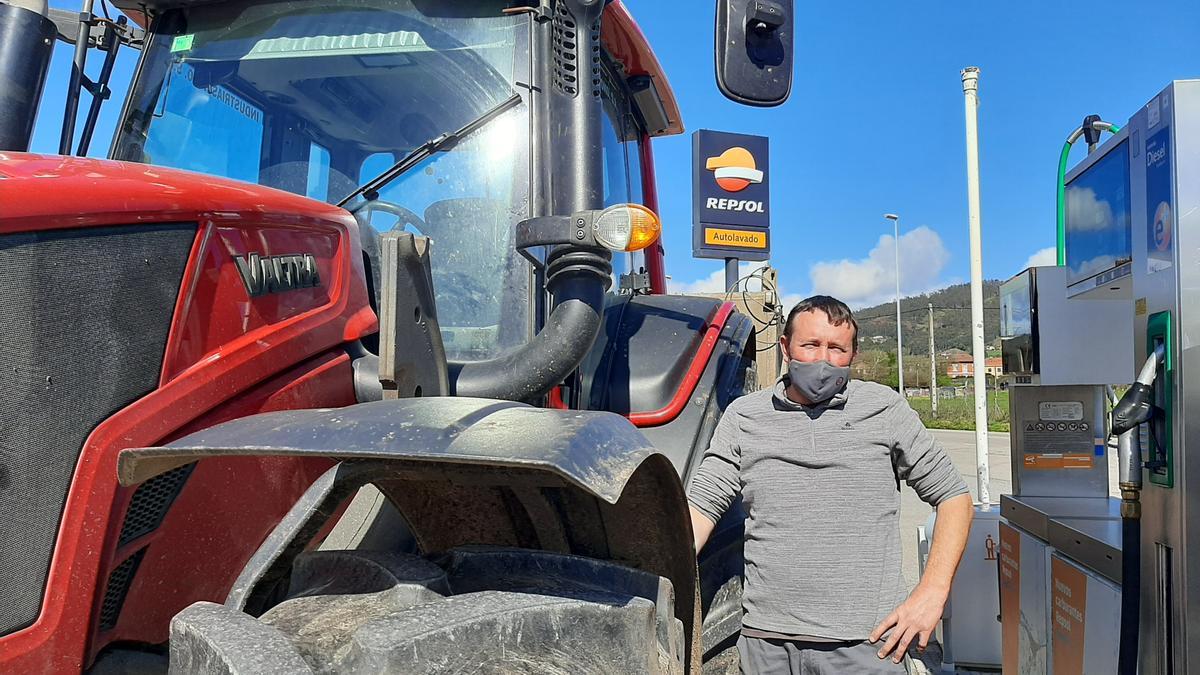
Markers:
point(813, 338)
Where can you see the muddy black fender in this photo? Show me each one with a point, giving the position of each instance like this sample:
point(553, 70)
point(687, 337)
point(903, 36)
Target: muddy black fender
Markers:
point(467, 471)
point(671, 363)
point(655, 350)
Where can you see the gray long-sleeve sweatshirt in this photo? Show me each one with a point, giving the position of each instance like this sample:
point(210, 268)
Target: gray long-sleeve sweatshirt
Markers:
point(820, 488)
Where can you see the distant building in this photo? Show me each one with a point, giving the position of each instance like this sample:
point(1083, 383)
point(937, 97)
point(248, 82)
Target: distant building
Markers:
point(878, 339)
point(958, 363)
point(994, 366)
point(963, 365)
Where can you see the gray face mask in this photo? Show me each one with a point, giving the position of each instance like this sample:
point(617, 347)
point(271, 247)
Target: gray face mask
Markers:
point(817, 381)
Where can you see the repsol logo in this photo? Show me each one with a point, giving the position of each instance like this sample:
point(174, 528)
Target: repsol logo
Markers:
point(276, 274)
point(747, 205)
point(1155, 156)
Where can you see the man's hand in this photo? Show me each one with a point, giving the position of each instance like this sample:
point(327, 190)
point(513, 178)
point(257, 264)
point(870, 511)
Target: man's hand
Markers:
point(915, 618)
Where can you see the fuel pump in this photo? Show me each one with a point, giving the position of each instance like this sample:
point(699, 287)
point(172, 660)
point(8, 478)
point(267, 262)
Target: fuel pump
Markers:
point(1089, 582)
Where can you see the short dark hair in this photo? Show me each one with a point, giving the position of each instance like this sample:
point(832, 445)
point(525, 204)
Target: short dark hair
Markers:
point(837, 311)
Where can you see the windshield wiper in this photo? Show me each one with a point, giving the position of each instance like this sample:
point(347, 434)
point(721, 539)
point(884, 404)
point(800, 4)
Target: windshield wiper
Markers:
point(370, 189)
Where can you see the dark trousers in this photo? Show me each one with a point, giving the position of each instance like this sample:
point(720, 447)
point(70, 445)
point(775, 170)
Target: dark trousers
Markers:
point(761, 656)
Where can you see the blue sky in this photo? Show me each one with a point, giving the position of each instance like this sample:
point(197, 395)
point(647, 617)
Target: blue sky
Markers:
point(875, 125)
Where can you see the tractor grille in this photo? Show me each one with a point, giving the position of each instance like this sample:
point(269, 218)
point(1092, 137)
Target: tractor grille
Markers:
point(573, 70)
point(150, 503)
point(118, 586)
point(84, 316)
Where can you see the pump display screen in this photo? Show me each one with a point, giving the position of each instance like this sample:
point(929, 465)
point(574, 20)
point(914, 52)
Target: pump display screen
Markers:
point(1018, 332)
point(1098, 217)
point(1016, 306)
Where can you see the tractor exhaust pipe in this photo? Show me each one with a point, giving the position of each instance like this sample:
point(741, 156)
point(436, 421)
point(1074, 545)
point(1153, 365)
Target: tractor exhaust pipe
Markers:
point(576, 277)
point(27, 38)
point(577, 274)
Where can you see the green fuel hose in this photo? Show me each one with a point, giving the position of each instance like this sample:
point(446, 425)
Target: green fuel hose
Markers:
point(1062, 188)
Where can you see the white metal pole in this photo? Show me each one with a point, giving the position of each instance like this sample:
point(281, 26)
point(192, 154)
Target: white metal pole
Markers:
point(899, 333)
point(970, 85)
point(933, 388)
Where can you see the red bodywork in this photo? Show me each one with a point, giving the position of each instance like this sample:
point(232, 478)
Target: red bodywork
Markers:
point(228, 355)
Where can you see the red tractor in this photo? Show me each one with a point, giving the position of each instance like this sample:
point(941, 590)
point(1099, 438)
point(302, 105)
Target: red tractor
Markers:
point(383, 363)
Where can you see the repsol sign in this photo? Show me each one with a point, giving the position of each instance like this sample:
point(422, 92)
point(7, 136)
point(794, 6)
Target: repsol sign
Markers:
point(277, 274)
point(731, 186)
point(751, 206)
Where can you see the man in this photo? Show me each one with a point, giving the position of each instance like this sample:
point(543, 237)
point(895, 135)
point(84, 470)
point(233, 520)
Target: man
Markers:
point(818, 462)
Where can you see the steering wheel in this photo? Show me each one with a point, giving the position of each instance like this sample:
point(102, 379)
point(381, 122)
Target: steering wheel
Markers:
point(406, 217)
point(472, 297)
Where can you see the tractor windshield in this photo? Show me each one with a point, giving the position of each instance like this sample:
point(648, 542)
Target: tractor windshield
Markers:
point(317, 98)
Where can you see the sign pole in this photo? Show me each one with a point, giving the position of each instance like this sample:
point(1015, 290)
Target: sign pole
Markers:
point(731, 274)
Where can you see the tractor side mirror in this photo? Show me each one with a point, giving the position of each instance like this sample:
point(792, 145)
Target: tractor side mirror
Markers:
point(754, 50)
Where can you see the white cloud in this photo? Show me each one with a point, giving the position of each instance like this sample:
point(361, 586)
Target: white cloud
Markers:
point(1095, 266)
point(789, 300)
point(872, 280)
point(1086, 212)
point(1044, 257)
point(715, 282)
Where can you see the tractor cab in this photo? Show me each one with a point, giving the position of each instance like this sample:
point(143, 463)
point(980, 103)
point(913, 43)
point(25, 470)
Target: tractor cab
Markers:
point(318, 99)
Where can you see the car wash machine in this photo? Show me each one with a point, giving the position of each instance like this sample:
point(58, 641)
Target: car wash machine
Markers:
point(1103, 350)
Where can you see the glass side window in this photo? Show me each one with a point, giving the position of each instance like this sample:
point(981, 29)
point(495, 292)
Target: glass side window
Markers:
point(633, 155)
point(620, 135)
point(616, 163)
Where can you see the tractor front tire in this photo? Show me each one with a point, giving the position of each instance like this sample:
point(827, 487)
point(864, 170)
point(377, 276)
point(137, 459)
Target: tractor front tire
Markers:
point(471, 609)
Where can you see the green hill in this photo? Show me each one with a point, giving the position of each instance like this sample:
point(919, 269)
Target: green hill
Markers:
point(951, 320)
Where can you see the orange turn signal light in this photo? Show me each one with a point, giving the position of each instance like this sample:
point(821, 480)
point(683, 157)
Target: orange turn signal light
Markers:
point(626, 227)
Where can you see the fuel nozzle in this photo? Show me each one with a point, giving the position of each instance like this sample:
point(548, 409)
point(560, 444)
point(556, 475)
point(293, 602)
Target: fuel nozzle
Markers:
point(1135, 407)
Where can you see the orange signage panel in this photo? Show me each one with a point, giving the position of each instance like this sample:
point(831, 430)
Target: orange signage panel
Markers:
point(1068, 606)
point(715, 236)
point(1010, 598)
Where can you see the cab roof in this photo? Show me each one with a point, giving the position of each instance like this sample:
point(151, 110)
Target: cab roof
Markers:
point(620, 35)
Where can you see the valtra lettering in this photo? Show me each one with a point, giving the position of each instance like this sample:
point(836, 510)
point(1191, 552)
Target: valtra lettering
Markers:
point(277, 274)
